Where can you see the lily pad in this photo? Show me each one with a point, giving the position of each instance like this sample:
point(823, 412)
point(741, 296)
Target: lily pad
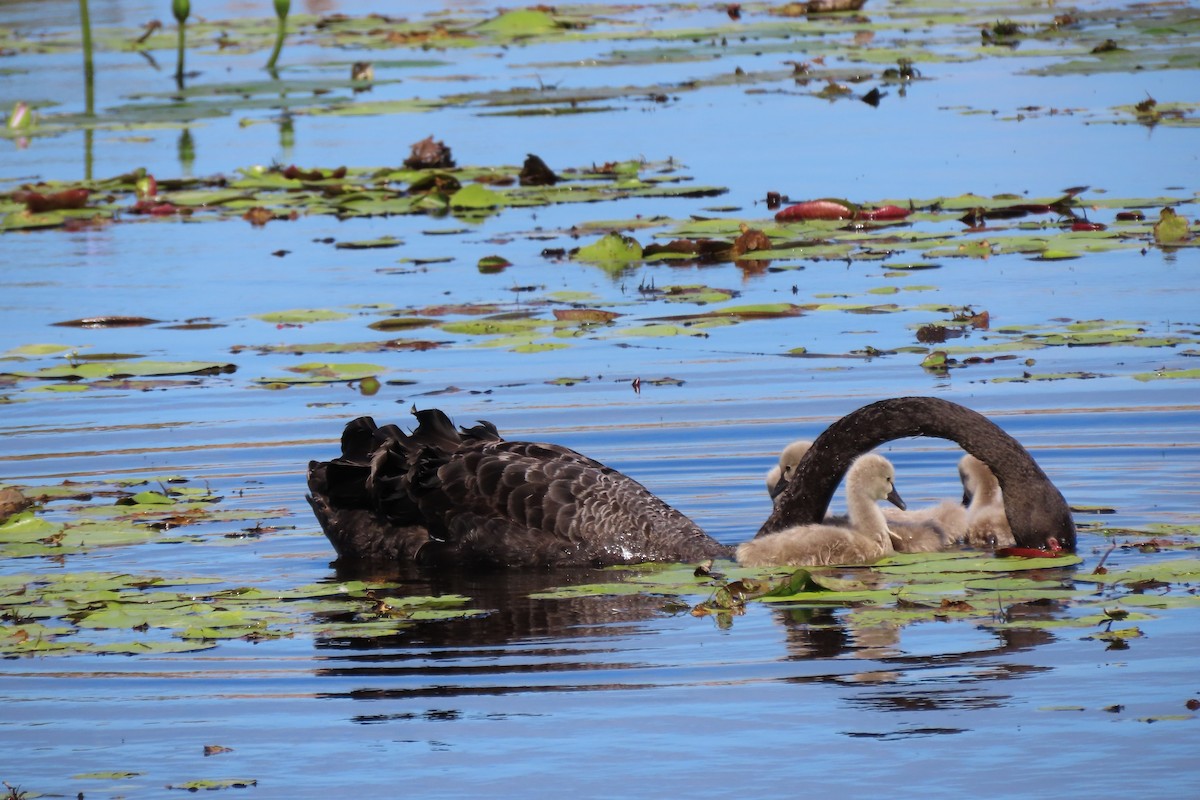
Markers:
point(99, 370)
point(613, 250)
point(328, 372)
point(302, 316)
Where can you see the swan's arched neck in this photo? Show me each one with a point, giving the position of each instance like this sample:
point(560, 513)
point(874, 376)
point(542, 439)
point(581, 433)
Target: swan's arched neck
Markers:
point(1036, 510)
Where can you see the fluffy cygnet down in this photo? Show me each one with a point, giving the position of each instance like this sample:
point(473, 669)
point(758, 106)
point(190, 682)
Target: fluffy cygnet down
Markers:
point(920, 530)
point(986, 523)
point(865, 539)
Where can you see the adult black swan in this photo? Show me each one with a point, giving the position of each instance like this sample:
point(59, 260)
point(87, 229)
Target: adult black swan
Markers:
point(468, 498)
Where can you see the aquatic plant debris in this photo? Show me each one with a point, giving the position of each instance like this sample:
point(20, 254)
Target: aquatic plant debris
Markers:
point(933, 234)
point(99, 612)
point(284, 193)
point(914, 588)
point(840, 47)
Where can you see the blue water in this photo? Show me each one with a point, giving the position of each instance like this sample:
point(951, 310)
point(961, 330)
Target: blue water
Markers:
point(597, 697)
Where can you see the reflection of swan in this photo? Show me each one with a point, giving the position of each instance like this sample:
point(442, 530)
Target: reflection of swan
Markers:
point(864, 539)
point(468, 498)
point(918, 530)
point(986, 525)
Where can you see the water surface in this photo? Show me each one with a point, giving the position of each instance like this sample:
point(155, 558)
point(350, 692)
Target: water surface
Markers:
point(630, 694)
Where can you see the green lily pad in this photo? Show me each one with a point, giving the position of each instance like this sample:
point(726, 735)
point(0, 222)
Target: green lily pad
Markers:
point(476, 196)
point(327, 372)
point(495, 327)
point(95, 370)
point(1168, 374)
point(381, 243)
point(519, 24)
point(611, 250)
point(214, 784)
point(302, 316)
point(35, 350)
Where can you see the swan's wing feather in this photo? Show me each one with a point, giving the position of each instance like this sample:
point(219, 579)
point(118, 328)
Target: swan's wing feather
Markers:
point(529, 503)
point(466, 496)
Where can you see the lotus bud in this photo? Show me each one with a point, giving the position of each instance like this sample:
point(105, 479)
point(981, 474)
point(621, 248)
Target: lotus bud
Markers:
point(21, 117)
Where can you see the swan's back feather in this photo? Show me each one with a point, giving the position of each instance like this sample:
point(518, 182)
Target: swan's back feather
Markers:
point(468, 497)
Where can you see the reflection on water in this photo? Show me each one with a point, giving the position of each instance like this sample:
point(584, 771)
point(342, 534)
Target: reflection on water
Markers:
point(616, 694)
point(538, 687)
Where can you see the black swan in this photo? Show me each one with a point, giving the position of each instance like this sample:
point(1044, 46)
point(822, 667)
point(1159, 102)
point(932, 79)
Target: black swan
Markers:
point(864, 538)
point(466, 497)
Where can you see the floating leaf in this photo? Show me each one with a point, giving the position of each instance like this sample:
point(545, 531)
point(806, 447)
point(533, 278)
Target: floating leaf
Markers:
point(585, 315)
point(476, 196)
point(34, 350)
point(381, 243)
point(401, 323)
point(95, 370)
point(212, 785)
point(611, 250)
point(1168, 374)
point(302, 316)
point(519, 24)
point(328, 372)
point(108, 322)
point(1170, 228)
point(493, 327)
point(493, 264)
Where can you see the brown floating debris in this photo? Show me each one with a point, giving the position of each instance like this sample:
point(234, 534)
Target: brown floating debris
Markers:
point(12, 502)
point(107, 322)
point(429, 154)
point(536, 173)
point(38, 203)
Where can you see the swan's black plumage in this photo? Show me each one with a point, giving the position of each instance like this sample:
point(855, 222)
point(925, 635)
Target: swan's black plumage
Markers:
point(468, 498)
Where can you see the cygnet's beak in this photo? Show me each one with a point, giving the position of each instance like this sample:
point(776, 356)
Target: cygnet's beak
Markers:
point(778, 488)
point(894, 498)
